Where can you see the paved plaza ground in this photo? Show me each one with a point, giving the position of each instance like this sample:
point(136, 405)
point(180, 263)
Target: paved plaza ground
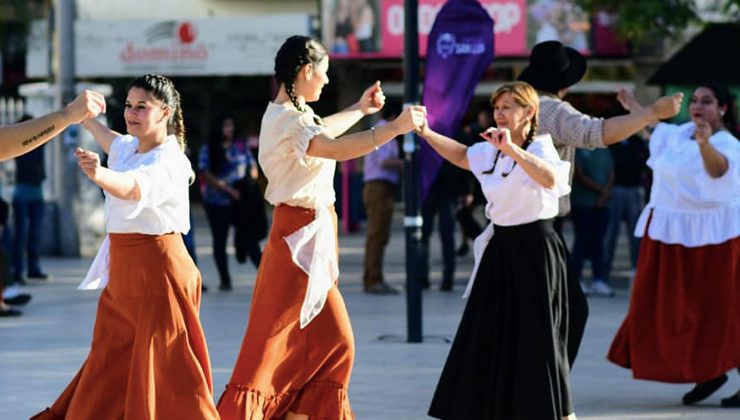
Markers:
point(42, 350)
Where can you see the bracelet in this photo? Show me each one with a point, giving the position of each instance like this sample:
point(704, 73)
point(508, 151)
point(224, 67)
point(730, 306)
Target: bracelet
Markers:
point(372, 132)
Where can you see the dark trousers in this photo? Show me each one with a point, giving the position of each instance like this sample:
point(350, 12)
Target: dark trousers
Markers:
point(220, 218)
point(590, 225)
point(27, 218)
point(470, 227)
point(445, 207)
point(577, 304)
point(189, 239)
point(377, 196)
point(625, 205)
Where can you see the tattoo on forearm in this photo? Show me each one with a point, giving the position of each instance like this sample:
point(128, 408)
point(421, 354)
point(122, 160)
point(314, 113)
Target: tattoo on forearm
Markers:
point(38, 136)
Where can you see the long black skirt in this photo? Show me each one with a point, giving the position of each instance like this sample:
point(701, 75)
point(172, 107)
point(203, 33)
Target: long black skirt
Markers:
point(509, 358)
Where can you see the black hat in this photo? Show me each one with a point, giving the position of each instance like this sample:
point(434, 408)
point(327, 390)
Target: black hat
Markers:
point(553, 66)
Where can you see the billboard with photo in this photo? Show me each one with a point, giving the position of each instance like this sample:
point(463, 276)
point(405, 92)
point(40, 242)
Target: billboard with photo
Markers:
point(374, 28)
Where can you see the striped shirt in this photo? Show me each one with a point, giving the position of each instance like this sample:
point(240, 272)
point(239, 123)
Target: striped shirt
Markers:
point(569, 129)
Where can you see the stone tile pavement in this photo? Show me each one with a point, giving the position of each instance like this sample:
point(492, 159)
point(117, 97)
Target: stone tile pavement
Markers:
point(392, 379)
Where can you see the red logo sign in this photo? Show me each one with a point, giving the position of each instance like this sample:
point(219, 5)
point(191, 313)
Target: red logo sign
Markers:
point(186, 32)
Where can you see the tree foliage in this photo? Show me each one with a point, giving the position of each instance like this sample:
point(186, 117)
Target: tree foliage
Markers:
point(646, 21)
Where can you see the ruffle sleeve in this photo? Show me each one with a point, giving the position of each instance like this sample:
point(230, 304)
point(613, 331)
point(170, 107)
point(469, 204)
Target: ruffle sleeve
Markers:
point(727, 187)
point(156, 180)
point(119, 147)
point(300, 130)
point(543, 148)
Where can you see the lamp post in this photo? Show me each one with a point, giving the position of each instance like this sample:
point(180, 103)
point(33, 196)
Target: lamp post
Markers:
point(412, 219)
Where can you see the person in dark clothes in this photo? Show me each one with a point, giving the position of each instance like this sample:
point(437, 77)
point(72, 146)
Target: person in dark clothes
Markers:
point(28, 213)
point(625, 202)
point(471, 196)
point(223, 162)
point(440, 201)
point(9, 296)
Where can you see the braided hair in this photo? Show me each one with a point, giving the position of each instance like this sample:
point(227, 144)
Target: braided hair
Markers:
point(296, 52)
point(724, 98)
point(164, 90)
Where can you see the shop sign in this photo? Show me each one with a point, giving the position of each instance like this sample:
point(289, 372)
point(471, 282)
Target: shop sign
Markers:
point(198, 47)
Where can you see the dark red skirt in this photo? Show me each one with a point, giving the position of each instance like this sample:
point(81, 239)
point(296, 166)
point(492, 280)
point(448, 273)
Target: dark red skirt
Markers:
point(683, 324)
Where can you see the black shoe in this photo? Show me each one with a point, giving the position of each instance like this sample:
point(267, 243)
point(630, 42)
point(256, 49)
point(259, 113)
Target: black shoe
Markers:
point(10, 312)
point(19, 280)
point(381, 289)
point(38, 276)
point(225, 287)
point(733, 401)
point(445, 287)
point(19, 299)
point(425, 284)
point(463, 250)
point(703, 390)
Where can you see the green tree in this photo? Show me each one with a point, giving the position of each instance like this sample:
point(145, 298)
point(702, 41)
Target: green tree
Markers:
point(647, 21)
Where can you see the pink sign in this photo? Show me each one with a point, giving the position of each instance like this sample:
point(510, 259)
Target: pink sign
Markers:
point(509, 16)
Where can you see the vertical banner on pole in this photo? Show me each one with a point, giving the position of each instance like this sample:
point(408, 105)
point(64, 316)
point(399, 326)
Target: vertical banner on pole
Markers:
point(460, 49)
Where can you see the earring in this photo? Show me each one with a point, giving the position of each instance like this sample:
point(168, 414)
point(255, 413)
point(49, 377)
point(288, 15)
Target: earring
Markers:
point(722, 113)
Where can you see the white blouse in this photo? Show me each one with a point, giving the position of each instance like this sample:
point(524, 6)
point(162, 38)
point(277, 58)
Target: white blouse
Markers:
point(515, 199)
point(293, 177)
point(688, 206)
point(163, 176)
point(296, 179)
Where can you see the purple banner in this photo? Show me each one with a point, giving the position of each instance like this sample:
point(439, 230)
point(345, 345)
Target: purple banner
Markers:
point(459, 50)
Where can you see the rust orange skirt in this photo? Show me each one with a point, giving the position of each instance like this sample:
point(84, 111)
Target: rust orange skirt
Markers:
point(148, 358)
point(281, 367)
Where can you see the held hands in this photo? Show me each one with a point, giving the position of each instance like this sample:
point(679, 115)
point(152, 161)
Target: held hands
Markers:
point(500, 139)
point(89, 163)
point(412, 118)
point(372, 99)
point(667, 106)
point(88, 104)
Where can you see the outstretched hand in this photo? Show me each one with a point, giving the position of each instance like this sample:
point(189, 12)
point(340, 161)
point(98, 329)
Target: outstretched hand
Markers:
point(89, 162)
point(372, 99)
point(88, 104)
point(498, 138)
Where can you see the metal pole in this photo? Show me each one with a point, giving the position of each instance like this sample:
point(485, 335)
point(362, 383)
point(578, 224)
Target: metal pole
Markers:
point(64, 13)
point(412, 221)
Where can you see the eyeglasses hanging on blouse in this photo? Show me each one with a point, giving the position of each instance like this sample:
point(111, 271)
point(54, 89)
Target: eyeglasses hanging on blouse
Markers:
point(498, 155)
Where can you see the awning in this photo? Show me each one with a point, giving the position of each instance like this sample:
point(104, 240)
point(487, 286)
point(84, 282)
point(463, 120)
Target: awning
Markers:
point(712, 55)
